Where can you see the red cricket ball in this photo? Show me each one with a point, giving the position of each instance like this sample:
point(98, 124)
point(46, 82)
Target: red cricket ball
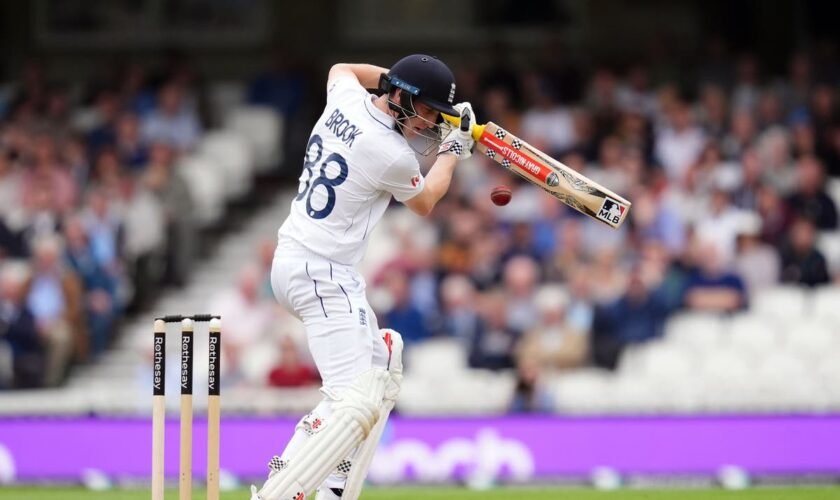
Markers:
point(501, 195)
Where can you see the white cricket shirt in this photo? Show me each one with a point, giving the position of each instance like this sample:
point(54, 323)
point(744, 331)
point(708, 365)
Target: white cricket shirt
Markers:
point(355, 161)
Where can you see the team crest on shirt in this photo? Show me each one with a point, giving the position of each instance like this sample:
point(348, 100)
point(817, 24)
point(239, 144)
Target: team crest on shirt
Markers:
point(415, 181)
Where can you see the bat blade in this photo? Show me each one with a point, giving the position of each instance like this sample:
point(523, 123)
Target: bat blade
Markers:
point(557, 179)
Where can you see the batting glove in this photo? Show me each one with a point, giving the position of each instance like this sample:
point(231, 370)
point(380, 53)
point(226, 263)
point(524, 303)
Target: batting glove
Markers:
point(459, 140)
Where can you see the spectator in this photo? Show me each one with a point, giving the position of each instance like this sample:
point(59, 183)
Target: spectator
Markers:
point(11, 179)
point(111, 178)
point(291, 371)
point(460, 316)
point(494, 344)
point(47, 177)
point(810, 199)
point(103, 133)
point(654, 219)
point(172, 193)
point(719, 225)
point(18, 331)
point(802, 263)
point(756, 262)
point(547, 125)
point(775, 215)
point(745, 195)
point(680, 144)
point(741, 135)
point(637, 316)
point(553, 344)
point(132, 151)
point(403, 316)
point(521, 275)
point(773, 149)
point(172, 122)
point(56, 300)
point(100, 286)
point(247, 318)
point(711, 287)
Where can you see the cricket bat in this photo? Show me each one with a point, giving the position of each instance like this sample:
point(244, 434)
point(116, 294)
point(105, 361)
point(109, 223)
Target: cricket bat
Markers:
point(557, 179)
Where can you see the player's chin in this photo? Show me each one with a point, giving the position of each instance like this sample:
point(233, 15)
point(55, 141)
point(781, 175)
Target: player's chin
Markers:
point(411, 132)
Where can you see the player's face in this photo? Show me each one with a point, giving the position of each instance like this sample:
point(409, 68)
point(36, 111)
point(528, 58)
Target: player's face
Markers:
point(426, 118)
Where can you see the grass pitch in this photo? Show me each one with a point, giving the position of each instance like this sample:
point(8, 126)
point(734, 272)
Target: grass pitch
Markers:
point(770, 493)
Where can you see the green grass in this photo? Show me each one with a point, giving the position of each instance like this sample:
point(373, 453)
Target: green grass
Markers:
point(770, 493)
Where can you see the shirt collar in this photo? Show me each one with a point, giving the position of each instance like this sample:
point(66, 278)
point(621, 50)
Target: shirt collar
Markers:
point(377, 114)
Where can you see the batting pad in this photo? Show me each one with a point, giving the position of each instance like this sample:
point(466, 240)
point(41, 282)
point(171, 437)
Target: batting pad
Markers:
point(364, 457)
point(353, 417)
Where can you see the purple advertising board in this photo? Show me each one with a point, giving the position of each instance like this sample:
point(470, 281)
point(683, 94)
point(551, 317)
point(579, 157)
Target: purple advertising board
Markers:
point(443, 449)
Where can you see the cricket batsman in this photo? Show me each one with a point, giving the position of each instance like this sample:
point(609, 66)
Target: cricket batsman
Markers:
point(362, 151)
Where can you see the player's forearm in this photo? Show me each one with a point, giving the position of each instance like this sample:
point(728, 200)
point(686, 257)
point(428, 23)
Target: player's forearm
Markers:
point(367, 74)
point(439, 178)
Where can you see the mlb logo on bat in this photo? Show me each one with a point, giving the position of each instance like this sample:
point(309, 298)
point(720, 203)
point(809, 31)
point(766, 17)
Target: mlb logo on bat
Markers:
point(611, 211)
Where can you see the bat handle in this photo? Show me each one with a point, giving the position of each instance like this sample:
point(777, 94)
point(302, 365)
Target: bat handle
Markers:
point(477, 130)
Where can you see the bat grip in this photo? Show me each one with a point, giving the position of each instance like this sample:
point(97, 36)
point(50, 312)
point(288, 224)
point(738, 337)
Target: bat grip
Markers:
point(477, 130)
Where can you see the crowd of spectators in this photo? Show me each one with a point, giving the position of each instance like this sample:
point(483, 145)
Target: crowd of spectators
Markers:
point(92, 208)
point(728, 173)
point(728, 170)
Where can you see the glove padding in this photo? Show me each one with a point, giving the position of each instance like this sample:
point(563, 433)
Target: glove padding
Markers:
point(458, 140)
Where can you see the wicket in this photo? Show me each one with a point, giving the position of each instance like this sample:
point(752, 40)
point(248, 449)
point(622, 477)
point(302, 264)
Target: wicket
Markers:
point(186, 380)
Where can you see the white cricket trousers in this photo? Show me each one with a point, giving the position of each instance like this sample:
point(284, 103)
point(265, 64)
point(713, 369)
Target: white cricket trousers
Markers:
point(341, 329)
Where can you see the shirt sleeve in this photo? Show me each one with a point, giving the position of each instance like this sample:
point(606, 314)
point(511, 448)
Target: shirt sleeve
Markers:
point(343, 87)
point(403, 178)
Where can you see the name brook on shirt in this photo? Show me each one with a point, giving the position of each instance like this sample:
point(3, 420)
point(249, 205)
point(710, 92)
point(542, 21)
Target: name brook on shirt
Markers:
point(342, 128)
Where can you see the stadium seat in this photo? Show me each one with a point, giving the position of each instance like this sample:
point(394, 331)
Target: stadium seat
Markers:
point(699, 332)
point(473, 392)
point(224, 97)
point(230, 151)
point(633, 395)
point(665, 361)
point(828, 242)
point(585, 391)
point(826, 302)
point(256, 362)
point(813, 340)
point(262, 127)
point(828, 371)
point(780, 302)
point(207, 187)
point(753, 335)
point(832, 186)
point(786, 383)
point(436, 359)
point(727, 383)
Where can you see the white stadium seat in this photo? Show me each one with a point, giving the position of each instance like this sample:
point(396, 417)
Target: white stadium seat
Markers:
point(786, 383)
point(231, 152)
point(262, 126)
point(699, 332)
point(473, 392)
point(780, 302)
point(813, 340)
point(826, 302)
point(582, 391)
point(207, 188)
point(828, 243)
point(224, 97)
point(727, 383)
point(257, 360)
point(436, 359)
point(753, 335)
point(832, 186)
